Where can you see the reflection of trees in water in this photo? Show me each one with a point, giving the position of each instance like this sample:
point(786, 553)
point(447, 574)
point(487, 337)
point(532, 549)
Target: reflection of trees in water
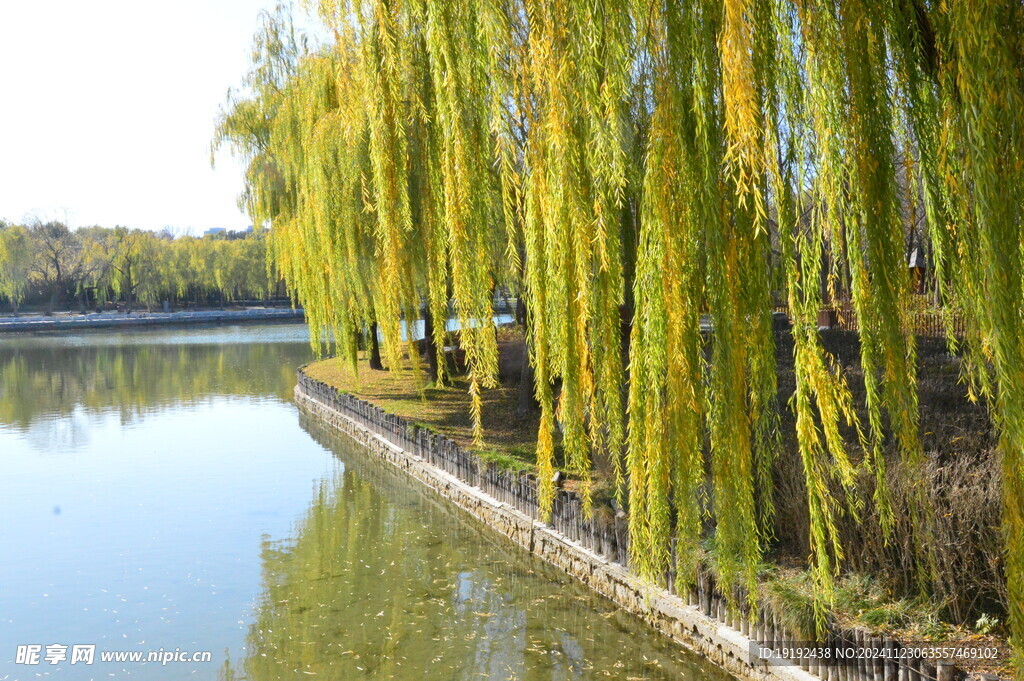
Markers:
point(503, 640)
point(39, 383)
point(363, 590)
point(382, 581)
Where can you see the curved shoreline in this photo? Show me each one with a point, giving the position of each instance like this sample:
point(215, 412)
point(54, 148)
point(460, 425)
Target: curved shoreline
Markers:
point(595, 552)
point(682, 620)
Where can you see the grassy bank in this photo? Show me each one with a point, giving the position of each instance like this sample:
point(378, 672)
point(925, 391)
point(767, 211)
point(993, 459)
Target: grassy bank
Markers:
point(873, 594)
point(510, 433)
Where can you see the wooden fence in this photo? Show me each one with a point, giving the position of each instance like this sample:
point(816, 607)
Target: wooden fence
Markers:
point(933, 323)
point(929, 324)
point(607, 535)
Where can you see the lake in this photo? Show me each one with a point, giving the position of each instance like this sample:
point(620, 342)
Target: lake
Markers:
point(160, 493)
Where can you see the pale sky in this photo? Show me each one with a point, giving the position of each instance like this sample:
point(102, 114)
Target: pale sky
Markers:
point(107, 108)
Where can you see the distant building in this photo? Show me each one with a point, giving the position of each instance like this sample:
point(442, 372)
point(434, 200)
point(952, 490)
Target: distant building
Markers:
point(214, 230)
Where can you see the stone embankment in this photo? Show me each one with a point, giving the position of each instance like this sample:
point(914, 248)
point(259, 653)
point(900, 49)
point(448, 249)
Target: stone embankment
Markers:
point(118, 320)
point(595, 551)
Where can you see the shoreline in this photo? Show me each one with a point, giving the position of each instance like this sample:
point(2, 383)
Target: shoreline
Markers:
point(699, 619)
point(119, 320)
point(723, 646)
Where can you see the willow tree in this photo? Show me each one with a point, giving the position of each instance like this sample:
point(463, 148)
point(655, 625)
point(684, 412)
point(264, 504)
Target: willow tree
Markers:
point(123, 263)
point(575, 223)
point(704, 251)
point(366, 165)
point(980, 54)
point(683, 166)
point(15, 263)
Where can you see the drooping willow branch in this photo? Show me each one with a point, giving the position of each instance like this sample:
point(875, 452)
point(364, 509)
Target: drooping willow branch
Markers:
point(683, 166)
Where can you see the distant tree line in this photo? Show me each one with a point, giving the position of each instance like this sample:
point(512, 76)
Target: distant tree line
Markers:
point(53, 267)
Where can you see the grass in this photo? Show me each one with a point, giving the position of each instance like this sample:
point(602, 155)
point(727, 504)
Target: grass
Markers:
point(507, 461)
point(863, 602)
point(510, 436)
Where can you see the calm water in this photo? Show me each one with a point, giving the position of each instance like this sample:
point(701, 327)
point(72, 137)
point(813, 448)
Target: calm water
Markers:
point(158, 490)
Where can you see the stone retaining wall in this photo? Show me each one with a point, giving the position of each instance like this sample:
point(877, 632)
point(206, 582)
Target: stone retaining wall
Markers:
point(115, 320)
point(595, 550)
point(686, 623)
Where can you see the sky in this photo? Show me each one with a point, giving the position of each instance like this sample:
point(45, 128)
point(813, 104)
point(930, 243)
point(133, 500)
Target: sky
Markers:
point(107, 109)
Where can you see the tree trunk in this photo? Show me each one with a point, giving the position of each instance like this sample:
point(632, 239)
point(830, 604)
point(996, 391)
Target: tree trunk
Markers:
point(521, 313)
point(129, 289)
point(527, 389)
point(527, 394)
point(428, 342)
point(375, 362)
point(626, 315)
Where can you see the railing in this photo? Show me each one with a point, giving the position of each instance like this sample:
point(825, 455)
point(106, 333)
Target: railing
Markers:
point(925, 323)
point(607, 537)
point(606, 534)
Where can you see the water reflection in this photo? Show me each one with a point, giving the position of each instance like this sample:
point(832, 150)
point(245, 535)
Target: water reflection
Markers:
point(158, 490)
point(50, 384)
point(140, 474)
point(437, 596)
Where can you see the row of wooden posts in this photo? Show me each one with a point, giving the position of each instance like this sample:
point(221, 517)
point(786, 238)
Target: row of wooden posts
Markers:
point(934, 323)
point(929, 324)
point(606, 534)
